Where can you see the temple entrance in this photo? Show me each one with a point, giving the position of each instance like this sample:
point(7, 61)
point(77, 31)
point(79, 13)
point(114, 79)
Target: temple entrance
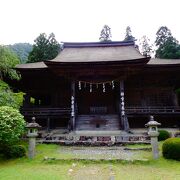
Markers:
point(97, 101)
point(97, 110)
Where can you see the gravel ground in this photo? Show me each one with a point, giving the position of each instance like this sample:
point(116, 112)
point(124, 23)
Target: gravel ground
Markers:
point(99, 152)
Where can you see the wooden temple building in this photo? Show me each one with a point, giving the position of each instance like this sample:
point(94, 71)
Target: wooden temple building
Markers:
point(101, 86)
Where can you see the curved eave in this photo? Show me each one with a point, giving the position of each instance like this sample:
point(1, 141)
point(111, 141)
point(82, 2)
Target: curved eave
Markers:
point(31, 66)
point(177, 65)
point(132, 62)
point(157, 63)
point(31, 69)
point(162, 65)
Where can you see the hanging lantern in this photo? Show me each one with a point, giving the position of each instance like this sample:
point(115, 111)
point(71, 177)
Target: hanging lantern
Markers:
point(112, 84)
point(104, 88)
point(79, 85)
point(90, 90)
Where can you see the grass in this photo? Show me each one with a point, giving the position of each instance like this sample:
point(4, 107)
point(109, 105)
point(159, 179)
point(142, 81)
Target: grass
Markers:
point(37, 169)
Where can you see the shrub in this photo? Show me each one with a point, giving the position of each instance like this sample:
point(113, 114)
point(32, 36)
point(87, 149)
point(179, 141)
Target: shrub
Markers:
point(11, 125)
point(171, 148)
point(15, 151)
point(163, 135)
point(8, 97)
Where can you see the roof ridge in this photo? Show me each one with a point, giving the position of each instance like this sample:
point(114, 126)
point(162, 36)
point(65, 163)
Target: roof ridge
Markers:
point(97, 44)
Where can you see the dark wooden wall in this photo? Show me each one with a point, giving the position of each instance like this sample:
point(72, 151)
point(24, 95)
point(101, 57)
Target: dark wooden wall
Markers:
point(47, 89)
point(152, 96)
point(166, 121)
point(150, 90)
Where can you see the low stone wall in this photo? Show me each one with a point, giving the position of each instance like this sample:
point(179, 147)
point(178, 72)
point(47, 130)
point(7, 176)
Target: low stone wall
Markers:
point(96, 140)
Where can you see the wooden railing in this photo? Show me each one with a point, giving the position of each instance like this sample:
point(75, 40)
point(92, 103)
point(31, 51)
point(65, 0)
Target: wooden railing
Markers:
point(152, 110)
point(40, 112)
point(66, 112)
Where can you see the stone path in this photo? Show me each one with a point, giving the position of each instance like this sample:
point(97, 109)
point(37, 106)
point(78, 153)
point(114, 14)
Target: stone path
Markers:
point(114, 152)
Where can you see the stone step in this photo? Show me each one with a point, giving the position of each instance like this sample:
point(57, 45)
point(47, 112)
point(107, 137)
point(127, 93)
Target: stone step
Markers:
point(98, 122)
point(100, 133)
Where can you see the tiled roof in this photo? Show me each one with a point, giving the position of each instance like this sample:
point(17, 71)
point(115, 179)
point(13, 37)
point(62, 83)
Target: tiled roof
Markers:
point(98, 52)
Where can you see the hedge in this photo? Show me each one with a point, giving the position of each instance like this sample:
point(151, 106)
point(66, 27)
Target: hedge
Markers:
point(171, 148)
point(163, 135)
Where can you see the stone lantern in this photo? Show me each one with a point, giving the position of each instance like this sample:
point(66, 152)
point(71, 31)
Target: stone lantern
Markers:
point(32, 134)
point(153, 133)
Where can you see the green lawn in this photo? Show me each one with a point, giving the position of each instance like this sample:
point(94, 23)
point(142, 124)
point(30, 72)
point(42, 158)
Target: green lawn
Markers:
point(25, 169)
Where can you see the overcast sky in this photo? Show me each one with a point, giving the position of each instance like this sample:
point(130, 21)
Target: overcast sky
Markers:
point(82, 20)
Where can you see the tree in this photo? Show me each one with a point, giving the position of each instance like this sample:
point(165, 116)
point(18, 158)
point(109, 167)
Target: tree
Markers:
point(45, 48)
point(11, 125)
point(105, 34)
point(9, 98)
point(162, 36)
point(145, 47)
point(128, 36)
point(167, 45)
point(22, 50)
point(170, 50)
point(8, 60)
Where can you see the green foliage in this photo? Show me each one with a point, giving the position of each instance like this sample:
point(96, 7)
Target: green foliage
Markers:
point(45, 48)
point(162, 35)
point(170, 50)
point(8, 60)
point(167, 45)
point(105, 34)
point(14, 151)
point(129, 36)
point(8, 98)
point(11, 125)
point(163, 135)
point(22, 50)
point(18, 97)
point(171, 148)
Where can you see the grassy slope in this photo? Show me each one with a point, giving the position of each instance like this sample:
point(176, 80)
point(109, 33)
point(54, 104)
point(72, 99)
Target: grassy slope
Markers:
point(38, 169)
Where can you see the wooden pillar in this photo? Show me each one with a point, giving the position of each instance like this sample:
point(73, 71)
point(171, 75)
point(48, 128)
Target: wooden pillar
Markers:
point(73, 114)
point(124, 119)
